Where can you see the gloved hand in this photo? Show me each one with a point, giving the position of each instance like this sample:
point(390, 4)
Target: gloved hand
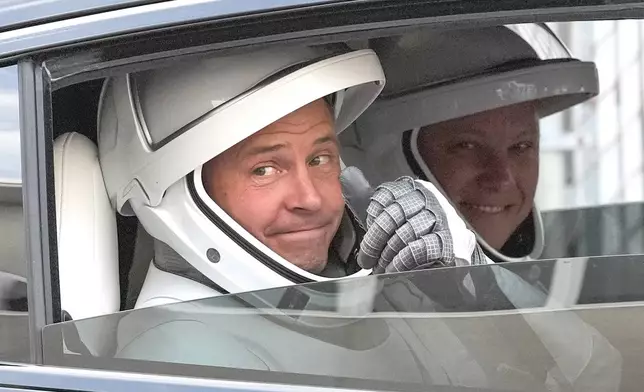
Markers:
point(410, 226)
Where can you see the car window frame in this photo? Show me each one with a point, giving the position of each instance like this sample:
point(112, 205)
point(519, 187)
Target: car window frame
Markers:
point(32, 46)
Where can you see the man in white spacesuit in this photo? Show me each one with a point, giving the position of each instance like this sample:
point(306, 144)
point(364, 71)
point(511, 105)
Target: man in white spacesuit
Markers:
point(239, 202)
point(466, 117)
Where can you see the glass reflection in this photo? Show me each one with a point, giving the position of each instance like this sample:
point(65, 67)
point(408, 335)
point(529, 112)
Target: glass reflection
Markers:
point(495, 326)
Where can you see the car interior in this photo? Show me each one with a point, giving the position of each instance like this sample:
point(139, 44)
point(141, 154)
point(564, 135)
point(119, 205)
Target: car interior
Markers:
point(119, 248)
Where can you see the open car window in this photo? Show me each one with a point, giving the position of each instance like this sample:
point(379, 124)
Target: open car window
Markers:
point(561, 214)
point(402, 331)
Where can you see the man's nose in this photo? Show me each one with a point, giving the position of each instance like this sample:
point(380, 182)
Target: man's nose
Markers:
point(497, 174)
point(303, 194)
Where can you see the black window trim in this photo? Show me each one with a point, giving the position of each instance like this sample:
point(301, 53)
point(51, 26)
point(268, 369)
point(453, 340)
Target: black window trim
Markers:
point(38, 205)
point(156, 16)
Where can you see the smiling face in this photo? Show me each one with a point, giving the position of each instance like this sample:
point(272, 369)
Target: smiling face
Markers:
point(488, 164)
point(282, 185)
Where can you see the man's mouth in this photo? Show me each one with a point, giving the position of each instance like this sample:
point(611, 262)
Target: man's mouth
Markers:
point(303, 236)
point(301, 232)
point(301, 229)
point(486, 208)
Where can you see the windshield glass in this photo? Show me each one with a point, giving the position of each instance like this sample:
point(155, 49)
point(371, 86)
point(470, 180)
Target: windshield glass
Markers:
point(514, 326)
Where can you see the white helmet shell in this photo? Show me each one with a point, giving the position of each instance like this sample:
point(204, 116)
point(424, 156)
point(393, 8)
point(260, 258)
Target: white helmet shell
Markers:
point(157, 128)
point(459, 73)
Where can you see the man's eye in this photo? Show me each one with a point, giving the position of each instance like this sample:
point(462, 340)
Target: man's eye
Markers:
point(464, 146)
point(264, 171)
point(523, 146)
point(320, 160)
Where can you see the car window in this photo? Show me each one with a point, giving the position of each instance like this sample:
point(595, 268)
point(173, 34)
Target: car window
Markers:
point(14, 337)
point(499, 327)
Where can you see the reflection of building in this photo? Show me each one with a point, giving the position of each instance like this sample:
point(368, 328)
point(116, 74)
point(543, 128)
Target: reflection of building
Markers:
point(592, 154)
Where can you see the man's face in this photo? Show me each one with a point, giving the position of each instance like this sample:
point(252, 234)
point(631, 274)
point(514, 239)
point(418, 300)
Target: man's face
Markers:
point(488, 164)
point(282, 185)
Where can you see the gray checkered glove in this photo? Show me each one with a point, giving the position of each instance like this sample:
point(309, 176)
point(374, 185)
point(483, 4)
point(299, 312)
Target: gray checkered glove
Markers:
point(410, 226)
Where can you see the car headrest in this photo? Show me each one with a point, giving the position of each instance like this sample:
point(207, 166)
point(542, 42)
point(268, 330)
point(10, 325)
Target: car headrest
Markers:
point(88, 265)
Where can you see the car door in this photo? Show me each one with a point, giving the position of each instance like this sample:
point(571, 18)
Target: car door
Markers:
point(82, 50)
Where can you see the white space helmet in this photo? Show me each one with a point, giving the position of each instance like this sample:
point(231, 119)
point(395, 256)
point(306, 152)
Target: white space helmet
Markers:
point(157, 128)
point(439, 75)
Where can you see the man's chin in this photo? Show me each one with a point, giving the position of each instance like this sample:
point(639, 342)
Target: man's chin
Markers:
point(495, 231)
point(310, 256)
point(495, 240)
point(312, 263)
point(314, 266)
